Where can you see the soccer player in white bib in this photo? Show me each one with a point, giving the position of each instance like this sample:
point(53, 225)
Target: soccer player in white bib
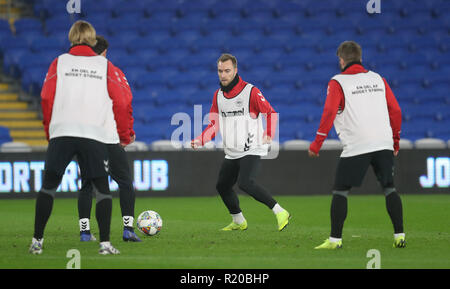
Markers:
point(83, 111)
point(236, 112)
point(367, 119)
point(119, 169)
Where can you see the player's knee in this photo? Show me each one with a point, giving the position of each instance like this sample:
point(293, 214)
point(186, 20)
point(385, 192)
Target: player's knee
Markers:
point(50, 192)
point(126, 188)
point(343, 193)
point(100, 196)
point(51, 180)
point(388, 190)
point(222, 187)
point(101, 189)
point(341, 190)
point(86, 188)
point(246, 184)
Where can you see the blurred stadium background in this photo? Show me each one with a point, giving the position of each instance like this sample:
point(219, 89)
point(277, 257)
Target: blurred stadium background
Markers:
point(168, 50)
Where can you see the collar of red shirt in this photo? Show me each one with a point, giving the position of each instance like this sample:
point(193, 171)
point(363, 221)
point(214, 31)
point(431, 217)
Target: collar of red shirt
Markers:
point(355, 68)
point(82, 50)
point(236, 89)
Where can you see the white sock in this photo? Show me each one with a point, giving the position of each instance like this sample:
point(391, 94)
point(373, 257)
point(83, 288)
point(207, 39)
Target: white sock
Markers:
point(106, 244)
point(334, 240)
point(128, 221)
point(399, 235)
point(238, 218)
point(40, 241)
point(277, 209)
point(84, 224)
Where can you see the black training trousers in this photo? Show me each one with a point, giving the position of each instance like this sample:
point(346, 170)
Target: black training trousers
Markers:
point(243, 171)
point(121, 173)
point(92, 158)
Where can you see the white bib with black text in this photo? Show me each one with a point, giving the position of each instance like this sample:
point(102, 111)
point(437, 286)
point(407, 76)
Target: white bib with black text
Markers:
point(363, 126)
point(241, 132)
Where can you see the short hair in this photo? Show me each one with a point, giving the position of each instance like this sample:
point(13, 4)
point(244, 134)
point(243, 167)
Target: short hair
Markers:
point(102, 45)
point(225, 57)
point(82, 32)
point(349, 51)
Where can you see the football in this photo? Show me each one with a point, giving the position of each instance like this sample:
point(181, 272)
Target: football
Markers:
point(149, 222)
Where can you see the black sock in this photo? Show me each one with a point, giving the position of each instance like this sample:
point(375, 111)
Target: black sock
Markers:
point(338, 213)
point(103, 211)
point(127, 200)
point(44, 205)
point(44, 202)
point(395, 211)
point(85, 200)
point(103, 208)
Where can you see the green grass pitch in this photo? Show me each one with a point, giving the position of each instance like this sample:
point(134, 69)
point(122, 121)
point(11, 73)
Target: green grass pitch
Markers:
point(190, 237)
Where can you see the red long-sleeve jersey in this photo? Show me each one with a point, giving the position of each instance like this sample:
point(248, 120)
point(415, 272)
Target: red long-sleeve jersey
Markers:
point(336, 101)
point(122, 82)
point(258, 104)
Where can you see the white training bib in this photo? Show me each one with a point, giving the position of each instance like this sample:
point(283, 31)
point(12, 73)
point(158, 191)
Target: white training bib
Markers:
point(241, 133)
point(82, 106)
point(363, 126)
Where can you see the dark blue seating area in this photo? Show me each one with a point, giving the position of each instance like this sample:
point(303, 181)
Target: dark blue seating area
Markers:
point(4, 135)
point(168, 50)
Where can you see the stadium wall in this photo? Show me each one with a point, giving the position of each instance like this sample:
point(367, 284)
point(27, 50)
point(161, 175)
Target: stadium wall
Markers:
point(189, 173)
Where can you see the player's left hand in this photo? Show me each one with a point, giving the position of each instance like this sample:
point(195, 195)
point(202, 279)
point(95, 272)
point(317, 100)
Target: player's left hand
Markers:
point(195, 144)
point(132, 139)
point(267, 140)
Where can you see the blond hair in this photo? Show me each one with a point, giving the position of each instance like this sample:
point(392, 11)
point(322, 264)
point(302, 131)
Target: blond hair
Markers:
point(82, 32)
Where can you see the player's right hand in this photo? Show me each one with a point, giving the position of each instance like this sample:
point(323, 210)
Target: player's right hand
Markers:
point(312, 154)
point(195, 144)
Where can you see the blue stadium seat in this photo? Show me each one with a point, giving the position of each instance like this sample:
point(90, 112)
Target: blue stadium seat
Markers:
point(118, 56)
point(307, 131)
point(4, 28)
point(130, 7)
point(44, 44)
point(12, 58)
point(101, 5)
point(4, 135)
point(32, 79)
point(149, 133)
point(117, 26)
point(137, 77)
point(28, 24)
point(37, 60)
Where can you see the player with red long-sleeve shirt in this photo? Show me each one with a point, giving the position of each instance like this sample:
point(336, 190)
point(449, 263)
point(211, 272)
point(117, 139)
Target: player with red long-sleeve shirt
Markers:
point(367, 119)
point(119, 169)
point(83, 111)
point(236, 112)
point(335, 104)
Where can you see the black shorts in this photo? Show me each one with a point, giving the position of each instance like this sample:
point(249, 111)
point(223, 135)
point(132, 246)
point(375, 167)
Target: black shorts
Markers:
point(92, 156)
point(350, 171)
